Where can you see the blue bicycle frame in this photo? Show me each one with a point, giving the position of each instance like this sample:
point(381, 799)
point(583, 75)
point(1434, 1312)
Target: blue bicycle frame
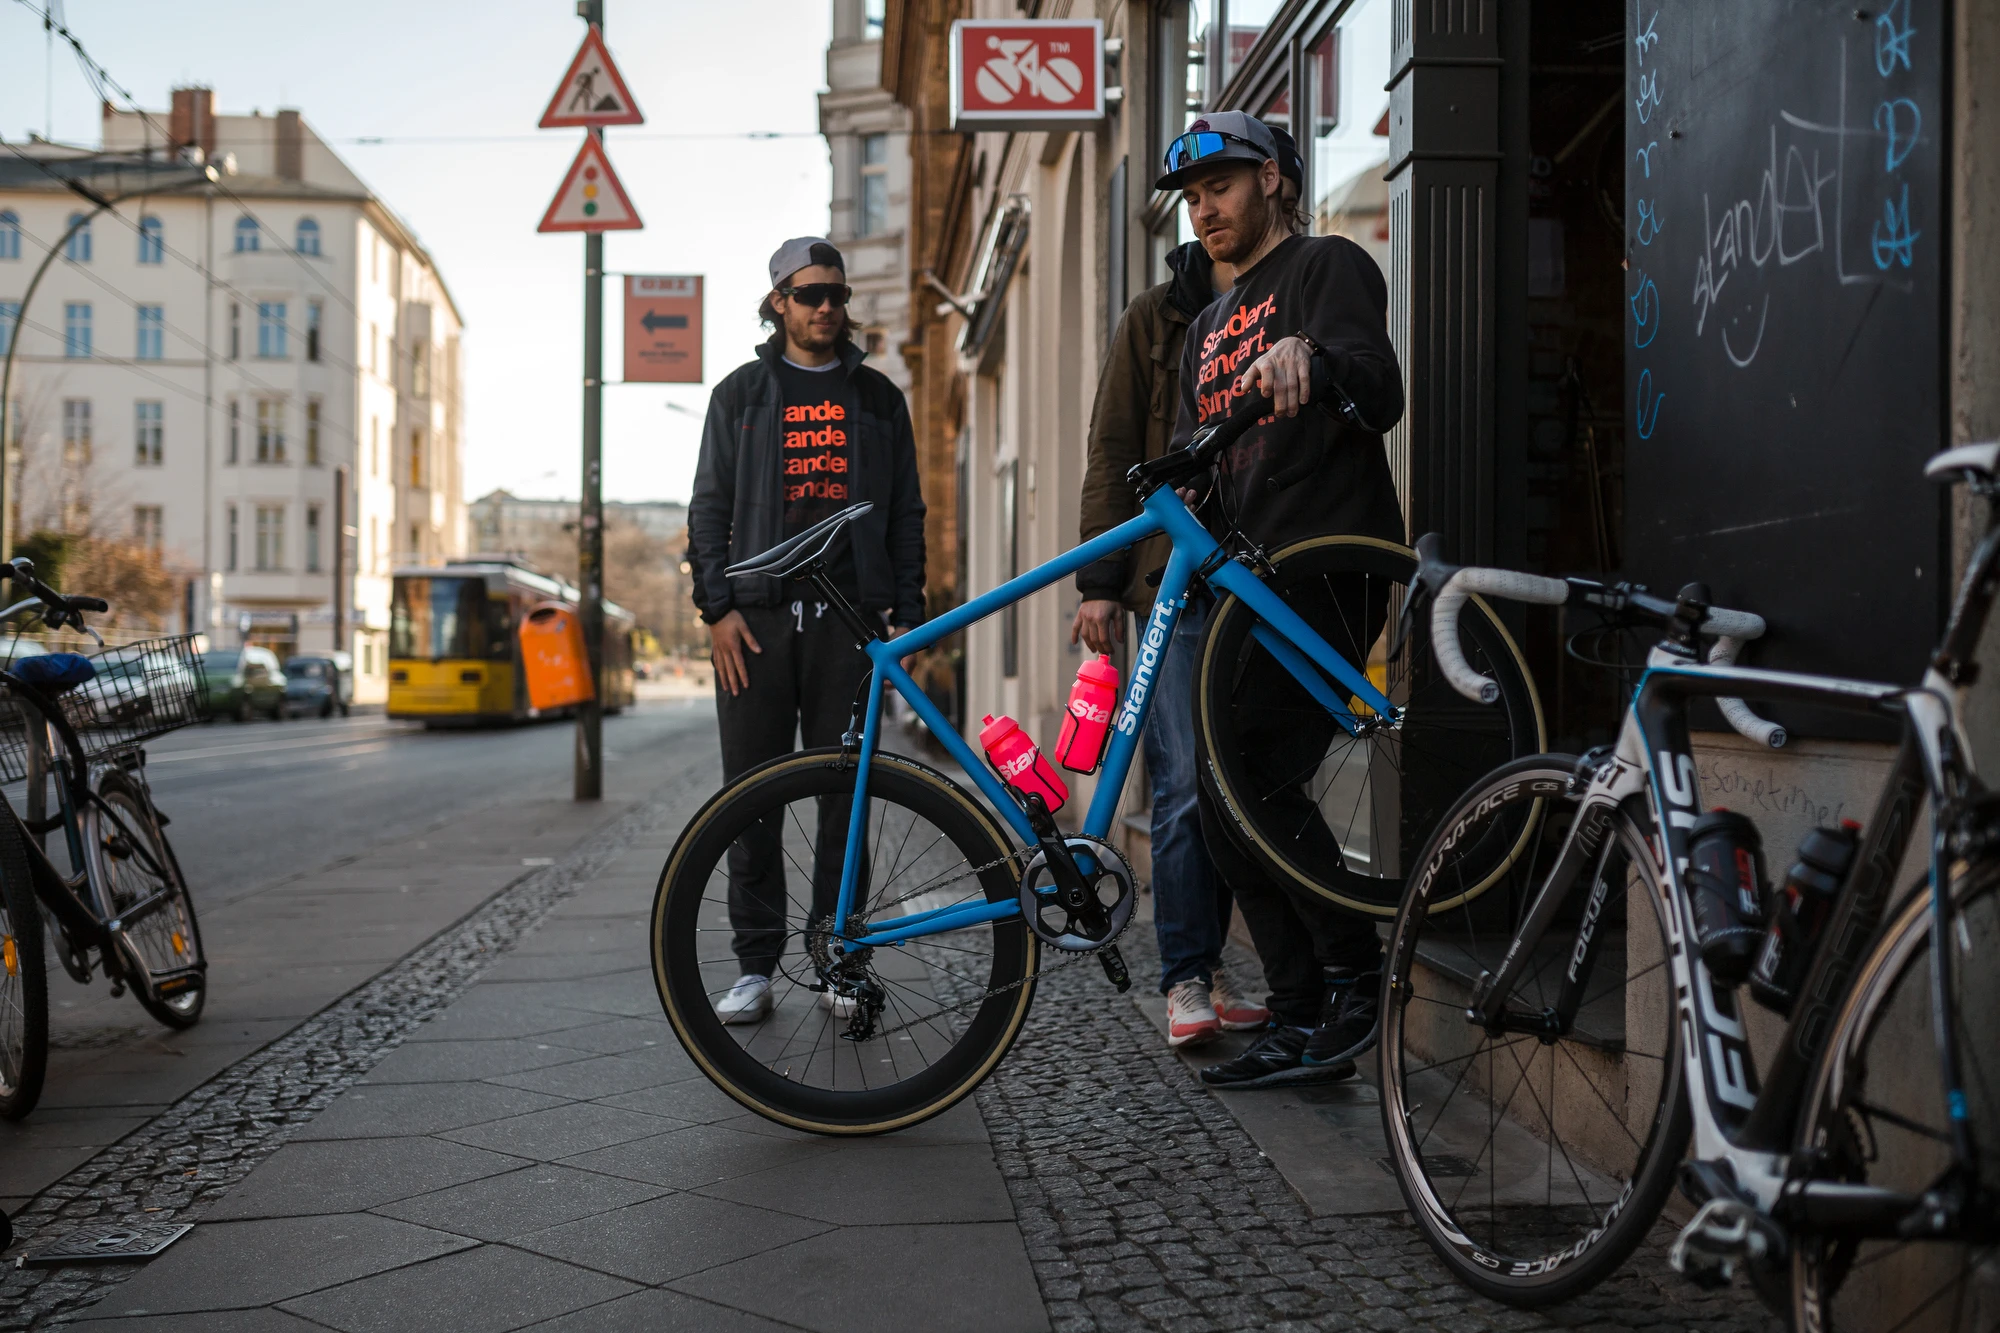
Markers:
point(1282, 632)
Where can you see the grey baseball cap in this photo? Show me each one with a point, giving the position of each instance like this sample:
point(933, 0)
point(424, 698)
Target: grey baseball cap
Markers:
point(803, 252)
point(1244, 139)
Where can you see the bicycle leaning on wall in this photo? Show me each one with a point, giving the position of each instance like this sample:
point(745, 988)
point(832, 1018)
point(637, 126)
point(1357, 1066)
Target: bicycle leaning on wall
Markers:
point(1548, 1051)
point(124, 907)
point(911, 916)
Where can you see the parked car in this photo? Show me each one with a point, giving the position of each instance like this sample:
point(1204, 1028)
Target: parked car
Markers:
point(318, 683)
point(244, 681)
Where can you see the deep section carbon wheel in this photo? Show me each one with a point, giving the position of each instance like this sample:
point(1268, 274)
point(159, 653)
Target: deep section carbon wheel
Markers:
point(1337, 811)
point(1533, 1162)
point(857, 1042)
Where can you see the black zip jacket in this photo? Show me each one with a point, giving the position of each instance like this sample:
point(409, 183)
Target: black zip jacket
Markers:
point(738, 508)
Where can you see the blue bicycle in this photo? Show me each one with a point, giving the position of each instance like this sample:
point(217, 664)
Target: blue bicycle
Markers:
point(908, 916)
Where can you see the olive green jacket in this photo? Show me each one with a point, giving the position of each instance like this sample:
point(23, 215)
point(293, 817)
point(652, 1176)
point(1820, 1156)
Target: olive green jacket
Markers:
point(1138, 396)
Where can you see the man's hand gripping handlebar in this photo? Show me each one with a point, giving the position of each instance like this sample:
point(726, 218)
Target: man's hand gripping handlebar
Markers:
point(1211, 441)
point(1447, 586)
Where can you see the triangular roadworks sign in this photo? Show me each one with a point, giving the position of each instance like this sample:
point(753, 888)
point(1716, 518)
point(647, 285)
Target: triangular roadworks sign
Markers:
point(590, 197)
point(592, 93)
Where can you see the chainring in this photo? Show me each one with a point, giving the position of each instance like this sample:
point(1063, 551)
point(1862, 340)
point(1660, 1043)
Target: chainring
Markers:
point(1097, 923)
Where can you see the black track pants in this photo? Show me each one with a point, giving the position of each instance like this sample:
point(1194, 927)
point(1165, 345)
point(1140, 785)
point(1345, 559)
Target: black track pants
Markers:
point(805, 681)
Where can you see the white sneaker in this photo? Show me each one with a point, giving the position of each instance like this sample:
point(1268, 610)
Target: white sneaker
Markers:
point(1191, 1017)
point(1237, 1014)
point(748, 1001)
point(842, 1006)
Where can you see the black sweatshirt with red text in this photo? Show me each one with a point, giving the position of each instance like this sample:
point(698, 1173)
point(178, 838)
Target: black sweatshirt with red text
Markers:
point(1327, 288)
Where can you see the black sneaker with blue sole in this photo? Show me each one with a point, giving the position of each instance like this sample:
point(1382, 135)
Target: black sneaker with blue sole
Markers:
point(1349, 1022)
point(1275, 1060)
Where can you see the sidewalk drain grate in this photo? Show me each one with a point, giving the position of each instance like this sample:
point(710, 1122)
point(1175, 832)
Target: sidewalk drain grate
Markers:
point(1437, 1166)
point(104, 1244)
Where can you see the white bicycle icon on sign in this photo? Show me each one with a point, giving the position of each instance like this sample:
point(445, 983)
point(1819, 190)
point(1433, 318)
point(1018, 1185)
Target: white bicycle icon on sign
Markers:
point(1020, 69)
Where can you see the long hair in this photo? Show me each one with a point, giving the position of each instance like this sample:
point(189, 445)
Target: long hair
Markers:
point(825, 256)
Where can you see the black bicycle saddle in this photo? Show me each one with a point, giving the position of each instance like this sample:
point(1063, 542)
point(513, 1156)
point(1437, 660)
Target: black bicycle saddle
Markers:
point(795, 553)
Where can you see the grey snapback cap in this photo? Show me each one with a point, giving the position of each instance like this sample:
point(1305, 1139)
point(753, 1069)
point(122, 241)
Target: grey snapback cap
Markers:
point(796, 254)
point(1249, 141)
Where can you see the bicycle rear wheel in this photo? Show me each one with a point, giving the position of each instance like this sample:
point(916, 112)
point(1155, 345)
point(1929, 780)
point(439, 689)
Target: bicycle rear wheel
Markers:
point(1877, 1116)
point(1532, 1165)
point(748, 887)
point(130, 862)
point(1343, 813)
point(24, 993)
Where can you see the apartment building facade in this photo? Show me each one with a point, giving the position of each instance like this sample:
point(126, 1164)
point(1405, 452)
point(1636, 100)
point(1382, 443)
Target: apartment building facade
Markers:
point(208, 361)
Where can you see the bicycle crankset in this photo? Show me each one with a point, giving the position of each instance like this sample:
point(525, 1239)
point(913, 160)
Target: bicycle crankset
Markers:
point(1082, 916)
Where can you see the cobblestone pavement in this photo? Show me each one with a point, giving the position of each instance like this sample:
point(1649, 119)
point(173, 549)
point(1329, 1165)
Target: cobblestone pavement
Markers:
point(1145, 1205)
point(174, 1167)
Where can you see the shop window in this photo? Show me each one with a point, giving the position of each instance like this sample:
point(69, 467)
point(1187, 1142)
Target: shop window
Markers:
point(1244, 22)
point(1350, 129)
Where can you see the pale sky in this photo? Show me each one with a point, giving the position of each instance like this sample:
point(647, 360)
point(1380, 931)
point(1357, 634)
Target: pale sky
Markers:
point(471, 72)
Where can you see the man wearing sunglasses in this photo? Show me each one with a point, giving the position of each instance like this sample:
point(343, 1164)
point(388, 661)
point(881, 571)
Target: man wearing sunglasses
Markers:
point(793, 437)
point(1293, 475)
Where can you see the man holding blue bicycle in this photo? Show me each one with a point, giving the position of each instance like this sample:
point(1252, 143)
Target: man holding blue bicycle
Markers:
point(1291, 476)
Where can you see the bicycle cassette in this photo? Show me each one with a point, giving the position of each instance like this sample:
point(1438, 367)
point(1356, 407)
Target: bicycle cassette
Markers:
point(1079, 927)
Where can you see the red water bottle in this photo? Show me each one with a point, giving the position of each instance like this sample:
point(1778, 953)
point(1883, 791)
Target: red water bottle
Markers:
point(1021, 764)
point(1087, 724)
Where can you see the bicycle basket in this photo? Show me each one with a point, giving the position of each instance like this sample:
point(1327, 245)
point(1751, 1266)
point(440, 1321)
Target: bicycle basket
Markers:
point(141, 690)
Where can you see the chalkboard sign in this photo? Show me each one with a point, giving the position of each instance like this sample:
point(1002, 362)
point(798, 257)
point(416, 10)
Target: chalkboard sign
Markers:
point(1784, 367)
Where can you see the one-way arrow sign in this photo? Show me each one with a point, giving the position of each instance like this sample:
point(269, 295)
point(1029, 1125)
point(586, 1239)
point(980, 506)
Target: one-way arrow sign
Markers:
point(662, 328)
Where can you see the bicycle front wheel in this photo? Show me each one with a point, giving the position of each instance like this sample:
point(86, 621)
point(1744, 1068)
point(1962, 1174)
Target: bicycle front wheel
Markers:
point(1877, 1116)
point(24, 993)
point(873, 1040)
point(130, 863)
point(1340, 811)
point(1533, 1165)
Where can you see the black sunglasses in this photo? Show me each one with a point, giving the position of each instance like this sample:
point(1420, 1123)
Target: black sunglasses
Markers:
point(817, 294)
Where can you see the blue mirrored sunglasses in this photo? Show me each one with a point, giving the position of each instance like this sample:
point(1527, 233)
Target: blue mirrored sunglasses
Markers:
point(1190, 148)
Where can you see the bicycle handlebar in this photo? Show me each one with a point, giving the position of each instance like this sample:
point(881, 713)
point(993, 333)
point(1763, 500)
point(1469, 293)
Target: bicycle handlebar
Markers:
point(1209, 442)
point(1731, 629)
point(57, 608)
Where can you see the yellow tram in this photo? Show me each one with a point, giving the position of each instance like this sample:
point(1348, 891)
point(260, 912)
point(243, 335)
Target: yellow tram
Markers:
point(455, 642)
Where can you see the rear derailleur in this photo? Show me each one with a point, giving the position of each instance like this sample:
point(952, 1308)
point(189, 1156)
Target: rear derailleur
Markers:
point(846, 977)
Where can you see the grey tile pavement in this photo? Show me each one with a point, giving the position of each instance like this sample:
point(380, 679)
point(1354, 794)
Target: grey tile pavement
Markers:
point(542, 1153)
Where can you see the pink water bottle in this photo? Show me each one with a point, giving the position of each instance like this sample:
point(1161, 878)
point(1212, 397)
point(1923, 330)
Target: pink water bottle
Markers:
point(1087, 725)
point(1021, 764)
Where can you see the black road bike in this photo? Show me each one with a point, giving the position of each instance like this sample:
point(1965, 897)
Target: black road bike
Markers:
point(1550, 1050)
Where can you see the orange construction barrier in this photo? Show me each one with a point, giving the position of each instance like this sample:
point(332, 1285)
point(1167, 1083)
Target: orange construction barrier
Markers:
point(553, 656)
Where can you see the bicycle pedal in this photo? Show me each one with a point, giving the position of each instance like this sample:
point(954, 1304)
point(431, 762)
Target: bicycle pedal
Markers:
point(1114, 968)
point(1724, 1238)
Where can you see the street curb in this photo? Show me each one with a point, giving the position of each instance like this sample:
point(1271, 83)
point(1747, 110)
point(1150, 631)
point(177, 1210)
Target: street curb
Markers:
point(176, 1165)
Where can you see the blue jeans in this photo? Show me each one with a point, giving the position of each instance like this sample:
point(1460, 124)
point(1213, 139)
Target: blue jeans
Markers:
point(1190, 903)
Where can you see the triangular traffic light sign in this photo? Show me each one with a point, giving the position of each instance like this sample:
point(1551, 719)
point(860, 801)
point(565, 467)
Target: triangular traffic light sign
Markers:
point(592, 92)
point(591, 197)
